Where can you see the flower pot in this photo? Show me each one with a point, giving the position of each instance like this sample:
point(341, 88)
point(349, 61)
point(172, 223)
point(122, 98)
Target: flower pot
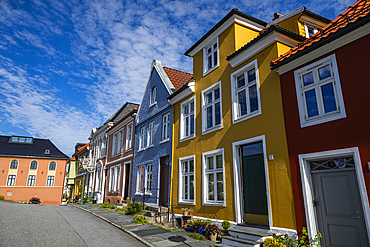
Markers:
point(213, 237)
point(185, 213)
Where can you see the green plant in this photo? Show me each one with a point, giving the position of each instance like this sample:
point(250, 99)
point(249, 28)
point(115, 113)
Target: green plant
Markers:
point(134, 208)
point(1, 197)
point(11, 201)
point(226, 225)
point(212, 229)
point(197, 236)
point(285, 241)
point(140, 219)
point(107, 205)
point(184, 209)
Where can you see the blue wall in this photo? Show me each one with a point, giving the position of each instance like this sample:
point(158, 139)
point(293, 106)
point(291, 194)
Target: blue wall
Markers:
point(153, 154)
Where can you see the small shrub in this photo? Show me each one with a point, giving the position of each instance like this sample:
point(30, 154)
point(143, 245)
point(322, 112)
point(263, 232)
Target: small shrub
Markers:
point(140, 219)
point(107, 205)
point(197, 236)
point(134, 207)
point(1, 197)
point(285, 240)
point(212, 229)
point(226, 225)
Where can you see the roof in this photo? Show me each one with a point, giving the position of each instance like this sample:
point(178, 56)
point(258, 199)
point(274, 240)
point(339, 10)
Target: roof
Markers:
point(355, 16)
point(265, 32)
point(122, 119)
point(184, 86)
point(35, 149)
point(234, 11)
point(80, 149)
point(177, 77)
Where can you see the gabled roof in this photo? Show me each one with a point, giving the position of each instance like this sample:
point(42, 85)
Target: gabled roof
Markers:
point(125, 117)
point(177, 77)
point(80, 149)
point(35, 149)
point(354, 17)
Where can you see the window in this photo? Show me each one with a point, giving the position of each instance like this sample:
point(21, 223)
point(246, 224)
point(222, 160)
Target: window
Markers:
point(129, 136)
point(140, 179)
point(50, 181)
point(212, 116)
point(98, 179)
point(19, 139)
point(213, 190)
point(149, 176)
point(52, 166)
point(14, 164)
point(151, 134)
point(11, 180)
point(210, 57)
point(33, 165)
point(142, 138)
point(111, 182)
point(118, 173)
point(114, 148)
point(165, 127)
point(310, 30)
point(245, 92)
point(187, 125)
point(31, 180)
point(153, 97)
point(319, 92)
point(120, 142)
point(187, 180)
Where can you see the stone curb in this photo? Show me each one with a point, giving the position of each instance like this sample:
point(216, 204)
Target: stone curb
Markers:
point(120, 227)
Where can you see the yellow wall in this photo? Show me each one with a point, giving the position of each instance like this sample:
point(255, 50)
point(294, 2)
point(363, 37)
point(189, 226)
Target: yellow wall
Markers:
point(270, 123)
point(243, 35)
point(294, 25)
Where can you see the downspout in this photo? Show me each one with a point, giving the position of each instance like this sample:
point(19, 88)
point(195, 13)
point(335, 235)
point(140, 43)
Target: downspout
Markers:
point(172, 159)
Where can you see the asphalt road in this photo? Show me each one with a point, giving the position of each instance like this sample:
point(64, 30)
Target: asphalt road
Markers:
point(41, 225)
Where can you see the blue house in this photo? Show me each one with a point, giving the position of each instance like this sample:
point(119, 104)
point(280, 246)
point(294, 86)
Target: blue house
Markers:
point(153, 136)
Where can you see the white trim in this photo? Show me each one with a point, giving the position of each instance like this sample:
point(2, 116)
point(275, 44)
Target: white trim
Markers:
point(164, 141)
point(234, 100)
point(306, 26)
point(185, 93)
point(204, 185)
point(123, 158)
point(286, 16)
point(180, 201)
point(237, 178)
point(205, 57)
point(311, 217)
point(340, 113)
point(261, 45)
point(204, 113)
point(162, 74)
point(333, 45)
point(233, 19)
point(127, 134)
point(186, 102)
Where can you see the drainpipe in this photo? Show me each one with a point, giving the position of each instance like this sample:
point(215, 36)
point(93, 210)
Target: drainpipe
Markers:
point(83, 188)
point(173, 151)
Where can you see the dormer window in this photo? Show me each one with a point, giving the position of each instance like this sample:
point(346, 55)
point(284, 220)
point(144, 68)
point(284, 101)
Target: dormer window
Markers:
point(47, 151)
point(310, 30)
point(153, 97)
point(20, 139)
point(210, 61)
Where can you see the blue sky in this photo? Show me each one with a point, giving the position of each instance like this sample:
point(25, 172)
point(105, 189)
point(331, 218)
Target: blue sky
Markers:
point(66, 66)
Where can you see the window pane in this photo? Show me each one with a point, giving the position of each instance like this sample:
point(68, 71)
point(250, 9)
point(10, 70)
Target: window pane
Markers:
point(209, 62)
point(215, 57)
point(251, 75)
point(329, 98)
point(217, 113)
point(185, 187)
point(209, 117)
point(210, 162)
point(220, 186)
point(217, 94)
point(191, 163)
point(324, 72)
point(185, 166)
point(311, 101)
point(186, 109)
point(311, 31)
point(192, 107)
point(240, 81)
point(209, 98)
point(219, 161)
point(253, 98)
point(186, 126)
point(192, 124)
point(211, 189)
point(308, 79)
point(192, 187)
point(242, 103)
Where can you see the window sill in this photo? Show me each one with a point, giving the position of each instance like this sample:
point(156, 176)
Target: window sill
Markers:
point(164, 141)
point(129, 149)
point(153, 104)
point(140, 150)
point(246, 117)
point(150, 146)
point(187, 138)
point(210, 70)
point(141, 194)
point(187, 202)
point(206, 131)
point(214, 204)
point(323, 119)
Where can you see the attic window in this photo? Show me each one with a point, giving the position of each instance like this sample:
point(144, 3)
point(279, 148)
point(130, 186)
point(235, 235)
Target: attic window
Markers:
point(310, 30)
point(47, 151)
point(20, 139)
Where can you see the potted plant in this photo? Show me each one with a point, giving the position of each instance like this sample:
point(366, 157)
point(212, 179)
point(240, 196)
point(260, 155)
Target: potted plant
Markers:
point(225, 225)
point(191, 211)
point(185, 211)
point(212, 231)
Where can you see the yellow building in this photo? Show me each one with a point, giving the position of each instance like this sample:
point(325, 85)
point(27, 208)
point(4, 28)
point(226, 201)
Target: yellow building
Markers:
point(230, 157)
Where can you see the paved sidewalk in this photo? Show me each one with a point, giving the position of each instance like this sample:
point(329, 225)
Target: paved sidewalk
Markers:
point(149, 234)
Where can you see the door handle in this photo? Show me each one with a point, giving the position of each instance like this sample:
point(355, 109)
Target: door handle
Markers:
point(357, 215)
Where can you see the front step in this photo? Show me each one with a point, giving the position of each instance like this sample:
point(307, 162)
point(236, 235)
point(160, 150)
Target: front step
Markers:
point(253, 235)
point(232, 241)
point(157, 209)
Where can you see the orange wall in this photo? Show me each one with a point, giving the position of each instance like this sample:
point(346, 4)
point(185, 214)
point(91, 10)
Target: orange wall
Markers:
point(21, 192)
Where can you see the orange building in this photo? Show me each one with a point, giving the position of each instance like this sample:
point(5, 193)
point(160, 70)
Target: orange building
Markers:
point(31, 167)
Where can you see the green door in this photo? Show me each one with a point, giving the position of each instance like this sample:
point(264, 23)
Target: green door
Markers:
point(254, 184)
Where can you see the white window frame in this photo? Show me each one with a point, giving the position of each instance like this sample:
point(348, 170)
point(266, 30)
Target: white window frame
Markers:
point(55, 166)
point(120, 141)
point(188, 174)
point(306, 26)
point(11, 180)
point(214, 153)
point(322, 117)
point(31, 182)
point(32, 167)
point(111, 180)
point(14, 164)
point(183, 137)
point(50, 181)
point(98, 178)
point(114, 144)
point(129, 128)
point(140, 178)
point(211, 44)
point(153, 96)
point(117, 175)
point(234, 91)
point(148, 178)
point(142, 138)
point(205, 92)
point(165, 127)
point(150, 138)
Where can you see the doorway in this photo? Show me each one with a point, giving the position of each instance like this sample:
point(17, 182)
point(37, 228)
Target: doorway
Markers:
point(164, 180)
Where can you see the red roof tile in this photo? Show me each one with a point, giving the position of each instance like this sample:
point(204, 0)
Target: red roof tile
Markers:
point(359, 9)
point(177, 77)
